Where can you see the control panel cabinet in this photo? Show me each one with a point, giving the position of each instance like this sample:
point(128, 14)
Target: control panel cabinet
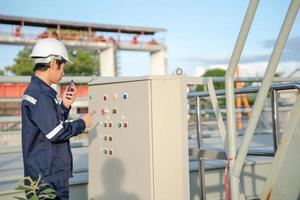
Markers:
point(138, 145)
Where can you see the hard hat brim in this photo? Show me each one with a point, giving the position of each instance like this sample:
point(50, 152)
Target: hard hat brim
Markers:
point(69, 62)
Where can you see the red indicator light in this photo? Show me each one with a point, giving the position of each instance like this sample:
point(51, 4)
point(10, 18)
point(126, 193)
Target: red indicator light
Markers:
point(105, 97)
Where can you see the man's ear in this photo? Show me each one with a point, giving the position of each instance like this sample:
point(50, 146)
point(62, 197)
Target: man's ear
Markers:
point(53, 65)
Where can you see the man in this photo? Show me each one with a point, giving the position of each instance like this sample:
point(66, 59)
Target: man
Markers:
point(45, 131)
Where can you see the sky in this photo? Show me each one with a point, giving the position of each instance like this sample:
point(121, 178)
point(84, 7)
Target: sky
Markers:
point(201, 34)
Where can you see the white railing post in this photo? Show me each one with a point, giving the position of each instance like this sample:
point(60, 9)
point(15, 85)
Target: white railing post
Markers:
point(230, 103)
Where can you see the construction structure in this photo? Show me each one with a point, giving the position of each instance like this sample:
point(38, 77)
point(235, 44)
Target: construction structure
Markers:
point(107, 39)
point(138, 131)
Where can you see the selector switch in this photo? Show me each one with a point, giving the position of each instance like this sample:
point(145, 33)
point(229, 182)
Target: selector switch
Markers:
point(119, 124)
point(114, 111)
point(105, 124)
point(105, 151)
point(104, 111)
point(105, 138)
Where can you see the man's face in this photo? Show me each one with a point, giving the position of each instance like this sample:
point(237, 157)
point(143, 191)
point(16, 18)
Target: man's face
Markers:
point(56, 70)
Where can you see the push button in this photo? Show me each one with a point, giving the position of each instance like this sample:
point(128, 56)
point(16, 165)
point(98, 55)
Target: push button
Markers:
point(125, 125)
point(125, 96)
point(105, 124)
point(115, 96)
point(105, 97)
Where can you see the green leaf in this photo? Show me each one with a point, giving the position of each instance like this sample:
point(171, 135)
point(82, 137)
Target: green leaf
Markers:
point(34, 197)
point(44, 185)
point(22, 180)
point(20, 198)
point(23, 64)
point(84, 63)
point(48, 190)
point(51, 196)
point(23, 187)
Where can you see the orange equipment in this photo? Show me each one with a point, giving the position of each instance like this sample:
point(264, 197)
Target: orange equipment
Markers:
point(241, 98)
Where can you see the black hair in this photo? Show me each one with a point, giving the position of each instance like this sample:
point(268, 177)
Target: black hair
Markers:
point(45, 66)
point(41, 67)
point(59, 62)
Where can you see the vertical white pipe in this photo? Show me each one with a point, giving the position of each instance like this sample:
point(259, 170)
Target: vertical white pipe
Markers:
point(230, 103)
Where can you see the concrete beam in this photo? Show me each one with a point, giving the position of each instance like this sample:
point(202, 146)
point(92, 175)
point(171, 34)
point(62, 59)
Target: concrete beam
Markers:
point(140, 47)
point(89, 45)
point(11, 40)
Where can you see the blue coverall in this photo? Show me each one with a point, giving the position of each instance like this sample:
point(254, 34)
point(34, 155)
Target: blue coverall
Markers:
point(45, 137)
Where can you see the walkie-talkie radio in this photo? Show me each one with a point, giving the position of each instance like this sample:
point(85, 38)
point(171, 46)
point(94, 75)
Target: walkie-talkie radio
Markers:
point(70, 88)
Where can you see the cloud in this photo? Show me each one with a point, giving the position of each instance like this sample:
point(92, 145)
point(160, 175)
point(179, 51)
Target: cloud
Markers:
point(291, 53)
point(253, 69)
point(224, 59)
point(252, 64)
point(291, 50)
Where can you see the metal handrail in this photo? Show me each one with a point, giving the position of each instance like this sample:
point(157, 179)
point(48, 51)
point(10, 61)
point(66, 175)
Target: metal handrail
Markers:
point(247, 90)
point(262, 95)
point(274, 108)
point(193, 80)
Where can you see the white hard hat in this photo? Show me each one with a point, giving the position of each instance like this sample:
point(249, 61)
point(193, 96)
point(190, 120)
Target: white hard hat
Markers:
point(47, 49)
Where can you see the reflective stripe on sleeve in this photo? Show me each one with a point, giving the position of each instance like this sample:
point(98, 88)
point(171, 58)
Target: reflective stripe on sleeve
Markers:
point(54, 131)
point(29, 98)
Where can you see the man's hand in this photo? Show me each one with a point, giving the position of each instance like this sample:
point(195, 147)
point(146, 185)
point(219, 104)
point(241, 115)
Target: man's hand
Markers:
point(69, 96)
point(88, 120)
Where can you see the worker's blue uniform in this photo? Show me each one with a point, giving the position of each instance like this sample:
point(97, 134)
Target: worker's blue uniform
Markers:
point(45, 137)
